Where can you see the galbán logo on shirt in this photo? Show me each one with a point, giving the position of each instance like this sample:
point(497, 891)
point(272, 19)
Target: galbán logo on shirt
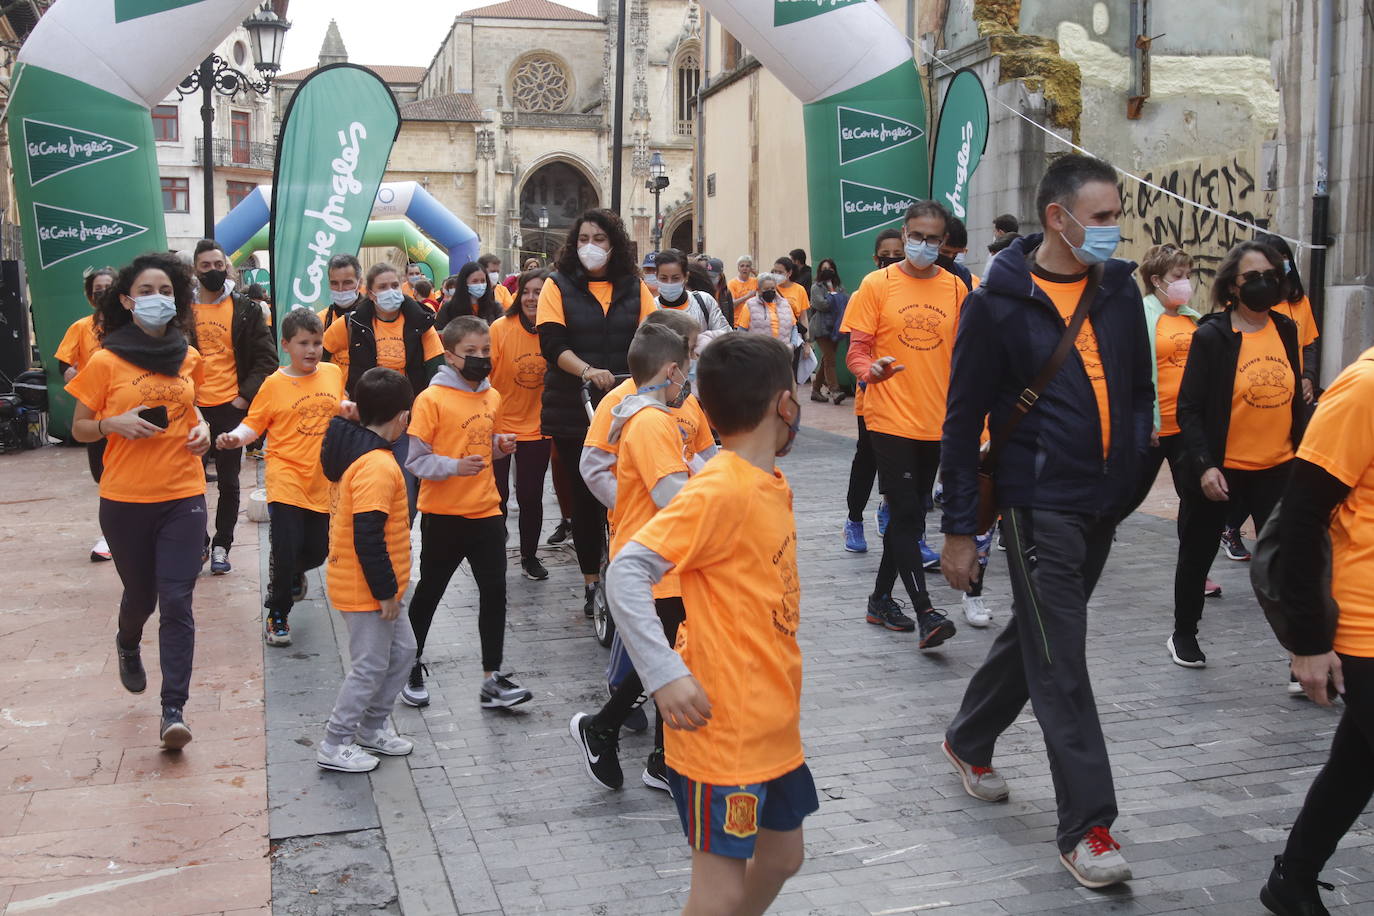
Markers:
point(529, 370)
point(212, 338)
point(1182, 343)
point(159, 390)
point(1269, 383)
point(313, 413)
point(786, 618)
point(921, 326)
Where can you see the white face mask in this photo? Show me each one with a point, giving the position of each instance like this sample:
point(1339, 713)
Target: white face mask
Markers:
point(494, 276)
point(593, 257)
point(388, 300)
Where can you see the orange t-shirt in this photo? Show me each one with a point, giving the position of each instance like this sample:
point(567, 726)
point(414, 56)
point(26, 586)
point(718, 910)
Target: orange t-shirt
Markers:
point(1301, 313)
point(215, 340)
point(650, 450)
point(742, 595)
point(798, 298)
point(1340, 440)
point(1261, 432)
point(79, 343)
point(373, 483)
point(1065, 297)
point(294, 412)
point(391, 347)
point(551, 301)
point(517, 372)
point(338, 357)
point(914, 320)
point(739, 288)
point(504, 297)
point(158, 468)
point(1173, 338)
point(692, 424)
point(456, 424)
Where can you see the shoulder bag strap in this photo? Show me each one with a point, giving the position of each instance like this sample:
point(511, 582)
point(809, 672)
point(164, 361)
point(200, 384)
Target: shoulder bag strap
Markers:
point(1032, 393)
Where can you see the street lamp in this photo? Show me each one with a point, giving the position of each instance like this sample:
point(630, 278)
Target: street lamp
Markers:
point(658, 180)
point(543, 234)
point(266, 30)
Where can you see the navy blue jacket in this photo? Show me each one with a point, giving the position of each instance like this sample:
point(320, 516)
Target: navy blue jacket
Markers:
point(1008, 329)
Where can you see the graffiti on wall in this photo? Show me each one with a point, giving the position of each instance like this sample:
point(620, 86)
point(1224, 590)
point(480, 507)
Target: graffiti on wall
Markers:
point(1224, 183)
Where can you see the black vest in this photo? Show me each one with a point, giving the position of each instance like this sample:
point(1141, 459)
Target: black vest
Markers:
point(602, 338)
point(362, 341)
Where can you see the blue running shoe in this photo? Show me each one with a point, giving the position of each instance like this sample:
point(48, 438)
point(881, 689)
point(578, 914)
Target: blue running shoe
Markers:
point(884, 513)
point(929, 558)
point(854, 540)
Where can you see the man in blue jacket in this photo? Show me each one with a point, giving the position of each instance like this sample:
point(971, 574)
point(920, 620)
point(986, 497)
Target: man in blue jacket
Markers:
point(1063, 482)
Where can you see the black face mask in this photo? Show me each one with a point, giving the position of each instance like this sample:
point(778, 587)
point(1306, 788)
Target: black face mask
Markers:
point(475, 368)
point(681, 395)
point(768, 295)
point(213, 280)
point(889, 261)
point(826, 276)
point(1261, 293)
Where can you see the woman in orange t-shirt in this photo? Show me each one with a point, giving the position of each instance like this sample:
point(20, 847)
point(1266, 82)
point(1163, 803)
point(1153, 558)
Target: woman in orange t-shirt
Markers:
point(1241, 416)
point(517, 374)
point(139, 392)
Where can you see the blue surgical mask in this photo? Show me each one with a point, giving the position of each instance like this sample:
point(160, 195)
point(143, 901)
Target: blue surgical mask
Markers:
point(343, 297)
point(1287, 268)
point(155, 310)
point(671, 292)
point(389, 300)
point(921, 254)
point(477, 290)
point(1099, 242)
point(959, 259)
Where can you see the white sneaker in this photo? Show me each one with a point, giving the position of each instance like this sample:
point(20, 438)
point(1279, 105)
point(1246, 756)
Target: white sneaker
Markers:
point(346, 758)
point(976, 611)
point(1097, 861)
point(385, 741)
point(101, 551)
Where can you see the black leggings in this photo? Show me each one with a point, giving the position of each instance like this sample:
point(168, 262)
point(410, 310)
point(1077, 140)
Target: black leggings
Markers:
point(95, 457)
point(531, 467)
point(588, 515)
point(225, 418)
point(861, 474)
point(445, 541)
point(1200, 521)
point(671, 613)
point(1170, 449)
point(156, 549)
point(906, 469)
point(300, 542)
point(1343, 788)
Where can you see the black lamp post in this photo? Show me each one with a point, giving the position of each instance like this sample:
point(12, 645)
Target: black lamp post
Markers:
point(658, 180)
point(543, 231)
point(266, 30)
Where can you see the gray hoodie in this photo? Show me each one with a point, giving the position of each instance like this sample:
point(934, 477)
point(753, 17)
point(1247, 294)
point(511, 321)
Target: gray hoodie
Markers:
point(421, 460)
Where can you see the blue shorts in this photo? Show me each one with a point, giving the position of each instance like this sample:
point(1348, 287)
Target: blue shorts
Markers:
point(726, 820)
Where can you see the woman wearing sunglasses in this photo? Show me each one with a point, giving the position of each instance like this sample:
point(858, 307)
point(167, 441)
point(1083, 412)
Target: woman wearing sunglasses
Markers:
point(1241, 416)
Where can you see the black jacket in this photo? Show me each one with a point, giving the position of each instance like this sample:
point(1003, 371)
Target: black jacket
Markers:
point(362, 342)
point(1205, 394)
point(344, 443)
point(255, 352)
point(1008, 328)
point(602, 338)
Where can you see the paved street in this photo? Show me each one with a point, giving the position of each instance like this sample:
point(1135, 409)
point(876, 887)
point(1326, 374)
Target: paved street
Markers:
point(493, 813)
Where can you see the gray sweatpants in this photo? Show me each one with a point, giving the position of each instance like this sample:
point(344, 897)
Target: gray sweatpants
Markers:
point(1055, 559)
point(382, 652)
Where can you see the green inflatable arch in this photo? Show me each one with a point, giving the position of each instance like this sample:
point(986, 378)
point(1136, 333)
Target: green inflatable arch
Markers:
point(395, 232)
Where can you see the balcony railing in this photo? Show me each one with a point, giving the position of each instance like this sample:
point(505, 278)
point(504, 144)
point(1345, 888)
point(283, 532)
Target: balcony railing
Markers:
point(238, 155)
point(564, 120)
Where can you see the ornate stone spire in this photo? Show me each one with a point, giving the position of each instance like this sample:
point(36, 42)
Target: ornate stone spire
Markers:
point(332, 50)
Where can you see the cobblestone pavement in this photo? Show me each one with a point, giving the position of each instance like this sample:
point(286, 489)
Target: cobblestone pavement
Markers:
point(493, 813)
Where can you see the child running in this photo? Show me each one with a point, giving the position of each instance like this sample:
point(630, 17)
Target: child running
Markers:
point(294, 407)
point(368, 571)
point(650, 469)
point(452, 440)
point(733, 695)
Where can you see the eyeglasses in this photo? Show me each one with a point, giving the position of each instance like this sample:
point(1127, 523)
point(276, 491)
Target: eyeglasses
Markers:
point(928, 239)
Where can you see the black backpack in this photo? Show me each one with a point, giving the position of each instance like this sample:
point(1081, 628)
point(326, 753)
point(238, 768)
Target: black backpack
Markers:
point(1266, 578)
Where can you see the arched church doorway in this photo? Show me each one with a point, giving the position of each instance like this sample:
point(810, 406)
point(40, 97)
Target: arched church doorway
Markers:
point(682, 238)
point(561, 191)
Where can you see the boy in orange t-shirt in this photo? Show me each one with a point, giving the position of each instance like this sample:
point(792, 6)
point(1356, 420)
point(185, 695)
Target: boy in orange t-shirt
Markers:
point(453, 436)
point(651, 467)
point(294, 405)
point(368, 571)
point(734, 754)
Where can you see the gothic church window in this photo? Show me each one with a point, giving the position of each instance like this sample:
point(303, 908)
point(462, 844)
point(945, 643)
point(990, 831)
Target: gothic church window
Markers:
point(687, 75)
point(539, 83)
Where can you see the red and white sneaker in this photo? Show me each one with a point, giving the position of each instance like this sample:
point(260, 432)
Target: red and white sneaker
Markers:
point(1211, 589)
point(1097, 861)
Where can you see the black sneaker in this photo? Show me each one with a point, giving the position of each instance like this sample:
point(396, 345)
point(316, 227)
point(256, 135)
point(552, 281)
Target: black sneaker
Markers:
point(414, 693)
point(175, 733)
point(589, 605)
point(533, 569)
point(886, 611)
point(1234, 545)
point(655, 774)
point(935, 628)
point(599, 752)
point(562, 534)
point(131, 673)
point(1285, 895)
point(299, 589)
point(1185, 651)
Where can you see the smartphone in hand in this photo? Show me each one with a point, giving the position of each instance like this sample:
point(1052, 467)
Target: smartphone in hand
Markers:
point(155, 415)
